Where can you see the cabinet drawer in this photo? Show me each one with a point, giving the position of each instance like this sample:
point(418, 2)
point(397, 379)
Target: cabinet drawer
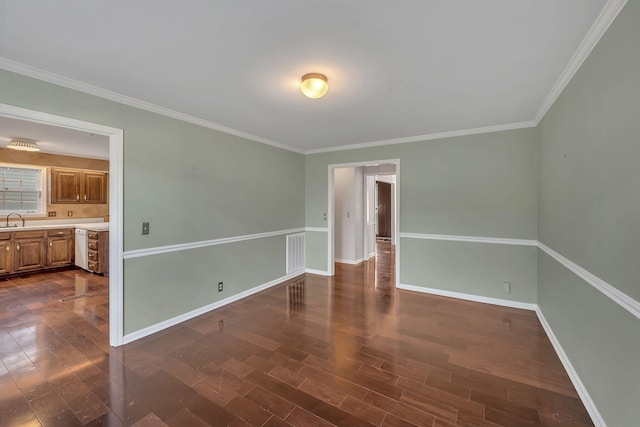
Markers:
point(62, 232)
point(93, 256)
point(93, 245)
point(29, 235)
point(93, 235)
point(5, 235)
point(93, 266)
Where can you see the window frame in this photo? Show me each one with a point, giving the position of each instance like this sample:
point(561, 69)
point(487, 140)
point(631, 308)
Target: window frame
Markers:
point(41, 210)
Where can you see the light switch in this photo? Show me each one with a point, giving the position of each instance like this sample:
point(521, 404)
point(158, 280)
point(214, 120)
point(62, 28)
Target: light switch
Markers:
point(145, 228)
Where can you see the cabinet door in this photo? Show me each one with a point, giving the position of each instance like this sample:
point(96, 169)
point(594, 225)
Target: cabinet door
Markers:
point(29, 254)
point(65, 186)
point(6, 252)
point(95, 187)
point(60, 251)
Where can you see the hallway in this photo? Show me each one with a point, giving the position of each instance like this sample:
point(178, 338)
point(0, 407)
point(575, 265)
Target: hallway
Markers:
point(315, 351)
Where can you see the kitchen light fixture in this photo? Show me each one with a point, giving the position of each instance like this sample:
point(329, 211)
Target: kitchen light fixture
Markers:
point(23, 144)
point(314, 85)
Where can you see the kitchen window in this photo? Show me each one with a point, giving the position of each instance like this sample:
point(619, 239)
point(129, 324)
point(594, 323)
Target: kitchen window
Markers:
point(21, 190)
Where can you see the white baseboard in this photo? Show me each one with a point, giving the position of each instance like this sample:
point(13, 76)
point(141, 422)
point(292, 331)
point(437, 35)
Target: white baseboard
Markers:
point(470, 297)
point(349, 261)
point(133, 336)
point(318, 272)
point(573, 375)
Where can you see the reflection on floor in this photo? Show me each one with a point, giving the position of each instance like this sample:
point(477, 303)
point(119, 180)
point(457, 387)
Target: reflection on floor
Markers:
point(348, 351)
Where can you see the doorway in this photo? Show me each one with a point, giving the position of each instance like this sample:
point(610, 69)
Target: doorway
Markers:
point(383, 211)
point(115, 136)
point(363, 201)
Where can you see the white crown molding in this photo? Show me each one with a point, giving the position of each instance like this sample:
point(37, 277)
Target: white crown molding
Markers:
point(590, 406)
point(469, 297)
point(622, 299)
point(26, 70)
point(317, 229)
point(470, 239)
point(609, 13)
point(426, 137)
point(137, 253)
point(133, 336)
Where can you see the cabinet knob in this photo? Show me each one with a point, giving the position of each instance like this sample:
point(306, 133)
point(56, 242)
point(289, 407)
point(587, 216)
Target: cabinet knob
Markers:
point(50, 243)
point(77, 197)
point(18, 247)
point(7, 248)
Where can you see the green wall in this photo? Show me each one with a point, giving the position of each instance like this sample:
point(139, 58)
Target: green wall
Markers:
point(589, 212)
point(479, 185)
point(192, 184)
point(573, 183)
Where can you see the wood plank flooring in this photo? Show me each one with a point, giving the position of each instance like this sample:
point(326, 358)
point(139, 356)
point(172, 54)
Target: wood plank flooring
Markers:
point(347, 351)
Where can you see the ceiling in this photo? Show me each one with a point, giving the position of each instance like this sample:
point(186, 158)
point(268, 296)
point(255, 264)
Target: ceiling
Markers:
point(396, 70)
point(54, 139)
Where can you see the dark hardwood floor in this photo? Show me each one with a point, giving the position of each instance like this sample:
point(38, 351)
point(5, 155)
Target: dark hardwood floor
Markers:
point(348, 351)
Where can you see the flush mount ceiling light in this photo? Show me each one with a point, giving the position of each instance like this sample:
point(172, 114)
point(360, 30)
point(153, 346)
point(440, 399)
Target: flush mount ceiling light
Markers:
point(23, 144)
point(314, 85)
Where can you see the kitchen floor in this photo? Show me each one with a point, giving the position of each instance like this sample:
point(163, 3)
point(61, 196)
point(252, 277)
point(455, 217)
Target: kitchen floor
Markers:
point(47, 346)
point(349, 350)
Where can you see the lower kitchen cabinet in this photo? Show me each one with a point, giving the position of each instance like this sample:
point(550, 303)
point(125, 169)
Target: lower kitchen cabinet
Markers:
point(30, 250)
point(33, 251)
point(98, 251)
point(6, 255)
point(60, 249)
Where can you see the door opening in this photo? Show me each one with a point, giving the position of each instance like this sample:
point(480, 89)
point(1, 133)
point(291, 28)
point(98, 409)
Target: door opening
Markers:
point(355, 215)
point(115, 137)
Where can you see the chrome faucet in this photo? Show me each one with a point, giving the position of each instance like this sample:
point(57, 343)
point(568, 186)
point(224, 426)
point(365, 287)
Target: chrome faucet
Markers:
point(14, 213)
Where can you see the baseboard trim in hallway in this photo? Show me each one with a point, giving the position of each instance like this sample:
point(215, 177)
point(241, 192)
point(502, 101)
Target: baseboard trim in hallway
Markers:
point(160, 326)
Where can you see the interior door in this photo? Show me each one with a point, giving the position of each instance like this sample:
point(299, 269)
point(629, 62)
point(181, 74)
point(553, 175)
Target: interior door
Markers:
point(384, 209)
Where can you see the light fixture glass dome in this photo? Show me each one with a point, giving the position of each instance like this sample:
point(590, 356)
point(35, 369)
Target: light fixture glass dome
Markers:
point(314, 85)
point(23, 145)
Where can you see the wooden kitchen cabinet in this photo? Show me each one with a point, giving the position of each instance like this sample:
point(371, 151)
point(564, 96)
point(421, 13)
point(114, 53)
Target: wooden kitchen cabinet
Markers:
point(60, 249)
point(30, 251)
point(6, 254)
point(36, 250)
point(65, 186)
point(95, 187)
point(98, 251)
point(78, 186)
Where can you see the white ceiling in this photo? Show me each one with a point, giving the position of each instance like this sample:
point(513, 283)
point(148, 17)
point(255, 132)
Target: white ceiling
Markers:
point(396, 69)
point(54, 139)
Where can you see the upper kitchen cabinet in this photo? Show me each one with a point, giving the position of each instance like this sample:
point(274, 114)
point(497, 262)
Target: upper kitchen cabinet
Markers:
point(78, 186)
point(95, 187)
point(65, 186)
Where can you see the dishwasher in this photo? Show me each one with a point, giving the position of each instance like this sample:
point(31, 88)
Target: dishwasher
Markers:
point(81, 249)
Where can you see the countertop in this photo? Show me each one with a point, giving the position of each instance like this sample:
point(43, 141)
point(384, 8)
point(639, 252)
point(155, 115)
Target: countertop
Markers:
point(97, 226)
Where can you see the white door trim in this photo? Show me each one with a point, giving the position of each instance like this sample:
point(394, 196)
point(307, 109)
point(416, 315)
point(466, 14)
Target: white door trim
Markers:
point(116, 191)
point(331, 219)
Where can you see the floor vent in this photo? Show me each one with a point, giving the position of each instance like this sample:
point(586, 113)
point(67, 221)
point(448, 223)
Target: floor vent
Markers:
point(295, 252)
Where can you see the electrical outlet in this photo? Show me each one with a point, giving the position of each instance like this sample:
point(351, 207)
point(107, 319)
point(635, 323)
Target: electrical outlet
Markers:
point(69, 213)
point(145, 228)
point(506, 287)
point(51, 213)
point(220, 287)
